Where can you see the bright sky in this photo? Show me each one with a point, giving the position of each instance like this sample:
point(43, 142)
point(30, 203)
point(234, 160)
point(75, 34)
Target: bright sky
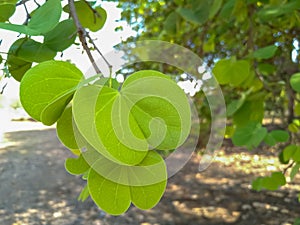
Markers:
point(106, 38)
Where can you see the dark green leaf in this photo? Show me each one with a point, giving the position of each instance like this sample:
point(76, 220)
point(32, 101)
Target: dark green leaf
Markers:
point(31, 51)
point(62, 36)
point(250, 135)
point(17, 67)
point(266, 52)
point(7, 10)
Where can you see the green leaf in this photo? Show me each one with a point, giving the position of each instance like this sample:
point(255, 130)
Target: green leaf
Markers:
point(47, 88)
point(19, 28)
point(293, 128)
point(77, 166)
point(216, 6)
point(235, 105)
point(31, 51)
point(276, 136)
point(170, 24)
point(115, 198)
point(294, 171)
point(250, 111)
point(297, 221)
point(38, 25)
point(7, 10)
point(272, 183)
point(84, 194)
point(231, 71)
point(161, 98)
point(65, 130)
point(227, 9)
point(149, 109)
point(295, 82)
point(257, 184)
point(297, 109)
point(270, 12)
point(84, 111)
point(46, 17)
point(266, 69)
point(17, 67)
point(93, 19)
point(198, 15)
point(62, 36)
point(291, 152)
point(266, 52)
point(250, 135)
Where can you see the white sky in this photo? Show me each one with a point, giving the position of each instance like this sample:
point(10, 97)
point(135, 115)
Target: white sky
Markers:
point(106, 38)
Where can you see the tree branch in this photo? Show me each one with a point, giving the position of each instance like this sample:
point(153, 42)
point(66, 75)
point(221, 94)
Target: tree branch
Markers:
point(82, 35)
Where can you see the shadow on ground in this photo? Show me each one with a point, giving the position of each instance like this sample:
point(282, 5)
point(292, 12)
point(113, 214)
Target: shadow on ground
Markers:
point(35, 189)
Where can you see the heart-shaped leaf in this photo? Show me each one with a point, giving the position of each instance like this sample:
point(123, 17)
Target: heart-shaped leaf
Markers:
point(231, 71)
point(47, 88)
point(134, 111)
point(115, 198)
point(250, 135)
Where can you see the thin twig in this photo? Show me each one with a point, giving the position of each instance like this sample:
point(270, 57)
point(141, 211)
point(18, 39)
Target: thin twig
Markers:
point(100, 53)
point(288, 167)
point(21, 2)
point(82, 34)
point(2, 90)
point(27, 14)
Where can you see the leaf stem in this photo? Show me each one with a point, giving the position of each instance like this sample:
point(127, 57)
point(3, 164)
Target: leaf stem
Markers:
point(82, 34)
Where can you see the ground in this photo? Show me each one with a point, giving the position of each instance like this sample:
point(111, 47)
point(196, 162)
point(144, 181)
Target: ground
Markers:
point(35, 189)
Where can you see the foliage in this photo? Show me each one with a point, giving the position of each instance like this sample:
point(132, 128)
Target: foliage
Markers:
point(248, 45)
point(115, 133)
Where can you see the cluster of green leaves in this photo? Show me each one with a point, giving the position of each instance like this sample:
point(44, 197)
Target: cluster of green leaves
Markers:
point(248, 44)
point(45, 21)
point(118, 129)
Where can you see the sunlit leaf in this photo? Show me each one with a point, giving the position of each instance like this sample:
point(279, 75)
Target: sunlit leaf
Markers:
point(77, 166)
point(115, 198)
point(65, 130)
point(231, 71)
point(47, 88)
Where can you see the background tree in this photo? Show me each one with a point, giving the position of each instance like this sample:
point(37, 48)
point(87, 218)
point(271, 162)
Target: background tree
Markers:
point(253, 49)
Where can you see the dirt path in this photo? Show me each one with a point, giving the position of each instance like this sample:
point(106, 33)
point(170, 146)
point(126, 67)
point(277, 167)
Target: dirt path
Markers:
point(35, 189)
